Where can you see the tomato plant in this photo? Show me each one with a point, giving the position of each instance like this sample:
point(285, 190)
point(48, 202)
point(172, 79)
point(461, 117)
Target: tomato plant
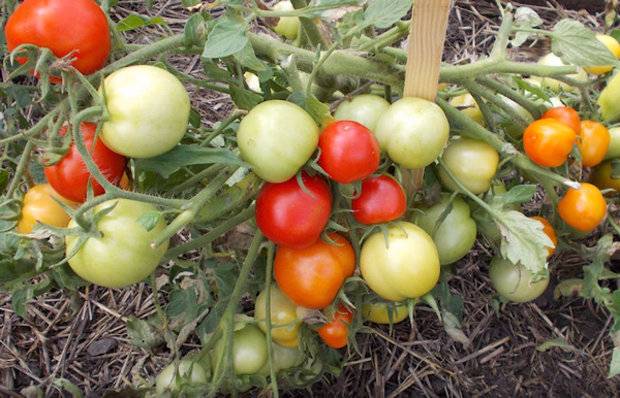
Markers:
point(548, 142)
point(292, 216)
point(122, 254)
point(365, 109)
point(405, 264)
point(382, 199)
point(593, 142)
point(277, 138)
point(349, 151)
point(148, 111)
point(472, 162)
point(514, 282)
point(335, 333)
point(70, 177)
point(566, 115)
point(385, 312)
point(284, 322)
point(249, 351)
point(454, 234)
point(45, 23)
point(583, 208)
point(312, 276)
point(39, 206)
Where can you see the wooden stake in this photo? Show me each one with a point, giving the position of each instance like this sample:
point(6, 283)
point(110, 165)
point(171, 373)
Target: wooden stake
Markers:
point(429, 21)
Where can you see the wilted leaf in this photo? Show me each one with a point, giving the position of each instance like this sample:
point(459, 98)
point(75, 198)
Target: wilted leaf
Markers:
point(142, 334)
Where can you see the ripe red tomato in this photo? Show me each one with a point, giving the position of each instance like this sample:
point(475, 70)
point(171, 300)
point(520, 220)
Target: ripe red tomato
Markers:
point(78, 27)
point(593, 142)
point(548, 142)
point(349, 151)
point(69, 177)
point(566, 115)
point(291, 217)
point(335, 333)
point(382, 200)
point(312, 276)
point(584, 208)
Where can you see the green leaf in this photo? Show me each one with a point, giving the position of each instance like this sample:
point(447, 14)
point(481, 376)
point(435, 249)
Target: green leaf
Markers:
point(317, 109)
point(614, 365)
point(135, 21)
point(20, 298)
point(246, 57)
point(149, 219)
point(142, 333)
point(195, 30)
point(518, 194)
point(244, 98)
point(69, 387)
point(227, 38)
point(65, 278)
point(523, 241)
point(187, 155)
point(384, 13)
point(577, 45)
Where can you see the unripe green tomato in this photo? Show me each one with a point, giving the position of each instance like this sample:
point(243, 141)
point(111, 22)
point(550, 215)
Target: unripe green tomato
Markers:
point(364, 109)
point(472, 108)
point(609, 100)
point(512, 128)
point(413, 132)
point(456, 234)
point(287, 26)
point(555, 85)
point(284, 322)
point(148, 111)
point(277, 138)
point(283, 358)
point(404, 264)
point(122, 255)
point(515, 282)
point(613, 151)
point(472, 162)
point(249, 350)
point(173, 376)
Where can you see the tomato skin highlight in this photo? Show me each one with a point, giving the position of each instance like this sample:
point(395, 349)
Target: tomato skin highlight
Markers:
point(311, 277)
point(39, 205)
point(335, 333)
point(566, 115)
point(549, 231)
point(593, 142)
point(548, 142)
point(349, 151)
point(382, 200)
point(291, 217)
point(584, 208)
point(63, 26)
point(69, 177)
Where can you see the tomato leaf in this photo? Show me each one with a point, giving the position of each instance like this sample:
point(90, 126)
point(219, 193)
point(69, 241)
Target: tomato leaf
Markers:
point(614, 365)
point(525, 17)
point(384, 13)
point(523, 240)
point(142, 333)
point(149, 219)
point(246, 57)
point(195, 29)
point(187, 155)
point(135, 21)
point(244, 98)
point(577, 45)
point(226, 38)
point(317, 109)
point(518, 194)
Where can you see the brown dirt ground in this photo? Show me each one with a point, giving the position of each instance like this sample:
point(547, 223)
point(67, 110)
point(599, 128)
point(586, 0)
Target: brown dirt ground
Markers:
point(83, 338)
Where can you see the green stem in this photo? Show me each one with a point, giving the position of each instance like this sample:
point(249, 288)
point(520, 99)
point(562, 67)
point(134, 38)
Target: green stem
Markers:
point(493, 98)
point(197, 178)
point(301, 12)
point(504, 89)
point(268, 272)
point(398, 31)
point(234, 115)
point(21, 167)
point(501, 40)
point(37, 128)
point(310, 27)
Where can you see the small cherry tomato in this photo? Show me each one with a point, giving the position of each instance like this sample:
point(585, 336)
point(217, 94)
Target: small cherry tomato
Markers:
point(349, 151)
point(566, 115)
point(602, 177)
point(290, 216)
point(548, 229)
point(593, 142)
point(312, 276)
point(69, 177)
point(548, 142)
point(382, 200)
point(335, 333)
point(472, 162)
point(584, 208)
point(613, 46)
point(385, 313)
point(39, 205)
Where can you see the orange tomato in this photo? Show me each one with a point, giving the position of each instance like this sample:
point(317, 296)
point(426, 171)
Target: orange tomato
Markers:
point(566, 115)
point(548, 142)
point(593, 142)
point(312, 276)
point(548, 229)
point(335, 333)
point(40, 206)
point(124, 183)
point(584, 208)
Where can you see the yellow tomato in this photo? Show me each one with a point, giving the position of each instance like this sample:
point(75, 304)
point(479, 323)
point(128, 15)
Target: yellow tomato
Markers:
point(284, 322)
point(470, 106)
point(40, 206)
point(613, 46)
point(385, 313)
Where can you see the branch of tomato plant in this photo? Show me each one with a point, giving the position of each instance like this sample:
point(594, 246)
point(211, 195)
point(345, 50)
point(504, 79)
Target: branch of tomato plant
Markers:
point(504, 89)
point(390, 36)
point(190, 208)
point(268, 275)
point(39, 126)
point(234, 115)
point(300, 12)
point(21, 167)
point(310, 27)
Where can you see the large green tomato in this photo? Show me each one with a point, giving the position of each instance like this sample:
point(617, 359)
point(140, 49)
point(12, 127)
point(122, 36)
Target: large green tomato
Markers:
point(472, 162)
point(514, 282)
point(284, 322)
point(404, 264)
point(365, 109)
point(277, 138)
point(122, 255)
point(148, 111)
point(283, 358)
point(608, 100)
point(555, 85)
point(413, 132)
point(175, 375)
point(456, 234)
point(287, 26)
point(613, 151)
point(249, 350)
